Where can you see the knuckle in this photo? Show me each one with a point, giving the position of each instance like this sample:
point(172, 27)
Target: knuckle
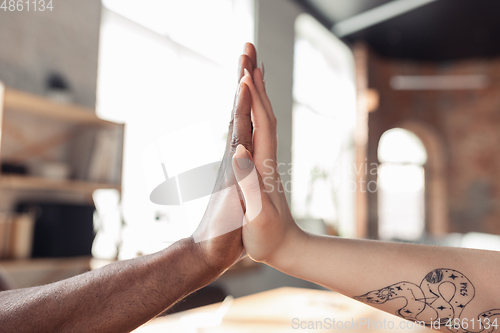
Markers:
point(231, 122)
point(237, 114)
point(241, 111)
point(237, 140)
point(234, 142)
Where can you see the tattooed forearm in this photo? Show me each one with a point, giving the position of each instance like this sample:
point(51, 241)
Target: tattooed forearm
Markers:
point(429, 302)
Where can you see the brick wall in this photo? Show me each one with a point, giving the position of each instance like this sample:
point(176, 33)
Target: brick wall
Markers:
point(468, 124)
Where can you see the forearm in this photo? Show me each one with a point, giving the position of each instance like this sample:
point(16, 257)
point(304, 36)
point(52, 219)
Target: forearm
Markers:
point(363, 268)
point(116, 298)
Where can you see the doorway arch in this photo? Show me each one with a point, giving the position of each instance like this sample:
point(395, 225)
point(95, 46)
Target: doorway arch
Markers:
point(401, 185)
point(435, 197)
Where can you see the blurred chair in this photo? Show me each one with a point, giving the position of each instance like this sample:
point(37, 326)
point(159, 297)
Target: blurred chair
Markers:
point(4, 284)
point(481, 241)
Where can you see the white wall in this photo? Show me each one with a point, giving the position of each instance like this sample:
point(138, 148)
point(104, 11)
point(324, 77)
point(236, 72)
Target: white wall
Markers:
point(275, 39)
point(64, 40)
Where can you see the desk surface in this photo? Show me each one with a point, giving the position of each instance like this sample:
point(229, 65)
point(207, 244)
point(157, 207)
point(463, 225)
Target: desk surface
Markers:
point(283, 310)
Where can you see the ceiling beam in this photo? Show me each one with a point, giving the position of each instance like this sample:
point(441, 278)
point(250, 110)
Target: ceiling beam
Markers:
point(376, 15)
point(317, 14)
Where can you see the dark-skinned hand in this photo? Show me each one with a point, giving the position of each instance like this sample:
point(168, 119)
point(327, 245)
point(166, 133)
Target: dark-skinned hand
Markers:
point(219, 234)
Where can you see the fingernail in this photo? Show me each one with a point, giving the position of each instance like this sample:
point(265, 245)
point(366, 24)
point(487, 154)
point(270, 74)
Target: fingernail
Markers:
point(245, 48)
point(246, 72)
point(262, 69)
point(243, 163)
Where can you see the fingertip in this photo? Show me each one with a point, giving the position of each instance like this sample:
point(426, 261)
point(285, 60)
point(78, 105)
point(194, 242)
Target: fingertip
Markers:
point(251, 52)
point(246, 47)
point(242, 159)
point(246, 62)
point(241, 152)
point(244, 88)
point(247, 80)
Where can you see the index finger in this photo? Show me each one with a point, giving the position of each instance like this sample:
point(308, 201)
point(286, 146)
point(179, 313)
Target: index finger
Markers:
point(249, 60)
point(242, 125)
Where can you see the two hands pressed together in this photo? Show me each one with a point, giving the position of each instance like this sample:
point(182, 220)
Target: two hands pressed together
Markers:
point(248, 207)
point(248, 213)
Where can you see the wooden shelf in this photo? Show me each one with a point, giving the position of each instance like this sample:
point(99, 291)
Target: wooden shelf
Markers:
point(28, 104)
point(46, 263)
point(38, 183)
point(20, 101)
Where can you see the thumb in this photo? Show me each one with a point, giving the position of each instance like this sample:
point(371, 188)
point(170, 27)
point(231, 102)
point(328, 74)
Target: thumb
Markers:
point(249, 181)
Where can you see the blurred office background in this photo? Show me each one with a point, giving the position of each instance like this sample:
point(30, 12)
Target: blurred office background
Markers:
point(388, 118)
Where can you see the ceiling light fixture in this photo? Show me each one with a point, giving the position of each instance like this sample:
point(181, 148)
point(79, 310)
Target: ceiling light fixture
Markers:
point(438, 82)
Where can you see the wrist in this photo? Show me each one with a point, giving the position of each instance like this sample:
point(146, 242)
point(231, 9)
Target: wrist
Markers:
point(293, 244)
point(198, 262)
point(216, 255)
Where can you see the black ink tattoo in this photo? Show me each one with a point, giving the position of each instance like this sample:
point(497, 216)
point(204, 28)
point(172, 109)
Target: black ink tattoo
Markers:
point(426, 303)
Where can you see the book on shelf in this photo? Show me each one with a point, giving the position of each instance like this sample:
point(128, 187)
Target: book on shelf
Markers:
point(5, 223)
point(81, 152)
point(105, 161)
point(16, 235)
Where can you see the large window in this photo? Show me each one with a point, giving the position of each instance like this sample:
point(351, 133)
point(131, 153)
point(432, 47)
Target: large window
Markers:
point(323, 128)
point(401, 185)
point(167, 69)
